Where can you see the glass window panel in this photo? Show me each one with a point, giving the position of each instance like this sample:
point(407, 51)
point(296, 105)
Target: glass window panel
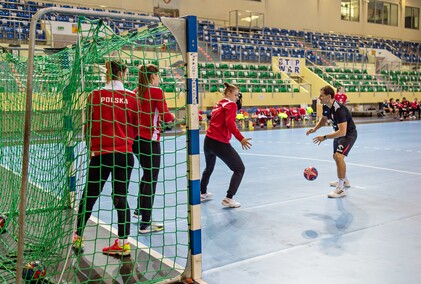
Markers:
point(350, 10)
point(412, 18)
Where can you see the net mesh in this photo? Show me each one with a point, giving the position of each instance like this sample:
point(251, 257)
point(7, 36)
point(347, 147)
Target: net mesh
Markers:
point(59, 158)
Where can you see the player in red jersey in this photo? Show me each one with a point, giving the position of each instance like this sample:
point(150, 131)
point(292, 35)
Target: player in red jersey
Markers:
point(112, 120)
point(217, 144)
point(147, 147)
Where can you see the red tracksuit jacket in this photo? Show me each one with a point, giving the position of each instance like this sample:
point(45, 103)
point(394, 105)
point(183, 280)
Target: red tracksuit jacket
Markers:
point(112, 119)
point(222, 125)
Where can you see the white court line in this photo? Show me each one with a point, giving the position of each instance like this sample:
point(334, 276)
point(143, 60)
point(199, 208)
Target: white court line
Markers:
point(330, 161)
point(264, 256)
point(359, 187)
point(139, 245)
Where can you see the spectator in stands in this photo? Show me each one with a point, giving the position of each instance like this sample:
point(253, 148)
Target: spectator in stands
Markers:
point(415, 107)
point(384, 108)
point(403, 108)
point(340, 95)
point(217, 144)
point(147, 147)
point(113, 117)
point(393, 107)
point(344, 136)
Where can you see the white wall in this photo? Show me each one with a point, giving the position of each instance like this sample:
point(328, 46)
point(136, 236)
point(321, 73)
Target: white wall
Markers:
point(314, 15)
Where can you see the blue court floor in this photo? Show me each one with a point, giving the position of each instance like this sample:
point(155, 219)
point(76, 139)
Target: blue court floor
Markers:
point(288, 231)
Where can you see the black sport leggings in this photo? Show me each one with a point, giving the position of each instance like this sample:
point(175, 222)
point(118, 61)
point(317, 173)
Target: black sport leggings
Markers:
point(148, 153)
point(120, 166)
point(229, 156)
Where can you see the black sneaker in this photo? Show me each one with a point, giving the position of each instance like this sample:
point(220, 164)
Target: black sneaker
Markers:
point(136, 214)
point(145, 228)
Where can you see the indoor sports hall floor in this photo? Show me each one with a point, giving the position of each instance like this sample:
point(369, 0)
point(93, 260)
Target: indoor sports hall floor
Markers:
point(288, 231)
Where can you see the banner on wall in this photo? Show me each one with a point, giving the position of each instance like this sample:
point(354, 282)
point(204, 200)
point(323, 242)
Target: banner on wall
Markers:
point(288, 65)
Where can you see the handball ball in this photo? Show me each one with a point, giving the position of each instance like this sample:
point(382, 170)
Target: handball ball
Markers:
point(310, 173)
point(2, 224)
point(34, 270)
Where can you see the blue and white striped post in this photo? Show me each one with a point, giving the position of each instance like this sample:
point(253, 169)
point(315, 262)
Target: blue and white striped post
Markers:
point(195, 231)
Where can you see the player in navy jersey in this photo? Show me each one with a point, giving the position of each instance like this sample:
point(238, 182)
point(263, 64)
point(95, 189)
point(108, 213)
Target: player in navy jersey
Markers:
point(344, 136)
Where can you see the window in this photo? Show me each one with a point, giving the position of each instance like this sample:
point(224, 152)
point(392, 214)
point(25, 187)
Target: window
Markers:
point(380, 12)
point(412, 18)
point(350, 10)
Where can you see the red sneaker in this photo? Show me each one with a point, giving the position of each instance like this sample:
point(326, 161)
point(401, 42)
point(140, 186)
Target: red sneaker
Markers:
point(115, 249)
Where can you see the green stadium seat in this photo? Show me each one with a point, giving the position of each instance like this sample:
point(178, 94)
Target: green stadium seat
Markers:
point(263, 74)
point(169, 88)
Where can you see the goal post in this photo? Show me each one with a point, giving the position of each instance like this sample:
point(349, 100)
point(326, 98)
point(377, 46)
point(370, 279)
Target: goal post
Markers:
point(184, 32)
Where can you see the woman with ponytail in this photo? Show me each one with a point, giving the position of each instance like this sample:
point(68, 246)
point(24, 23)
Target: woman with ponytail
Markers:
point(217, 144)
point(147, 147)
point(112, 120)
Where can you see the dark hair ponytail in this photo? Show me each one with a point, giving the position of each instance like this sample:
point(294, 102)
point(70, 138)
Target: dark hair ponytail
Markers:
point(113, 67)
point(145, 74)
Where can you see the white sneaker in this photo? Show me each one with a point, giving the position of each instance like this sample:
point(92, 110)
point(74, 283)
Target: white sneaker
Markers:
point(230, 202)
point(338, 192)
point(335, 183)
point(206, 196)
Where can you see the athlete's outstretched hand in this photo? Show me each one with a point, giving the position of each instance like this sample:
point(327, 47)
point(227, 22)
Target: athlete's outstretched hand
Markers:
point(245, 143)
point(311, 130)
point(319, 139)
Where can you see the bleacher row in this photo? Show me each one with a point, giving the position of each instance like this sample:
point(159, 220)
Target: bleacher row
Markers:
point(15, 17)
point(231, 44)
point(251, 78)
point(355, 80)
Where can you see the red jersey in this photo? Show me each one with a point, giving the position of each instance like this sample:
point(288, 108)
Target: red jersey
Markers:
point(222, 125)
point(113, 118)
point(414, 104)
point(153, 106)
point(341, 98)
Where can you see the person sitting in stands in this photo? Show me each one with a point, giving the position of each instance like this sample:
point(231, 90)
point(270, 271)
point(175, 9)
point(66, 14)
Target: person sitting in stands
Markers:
point(385, 108)
point(403, 109)
point(415, 107)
